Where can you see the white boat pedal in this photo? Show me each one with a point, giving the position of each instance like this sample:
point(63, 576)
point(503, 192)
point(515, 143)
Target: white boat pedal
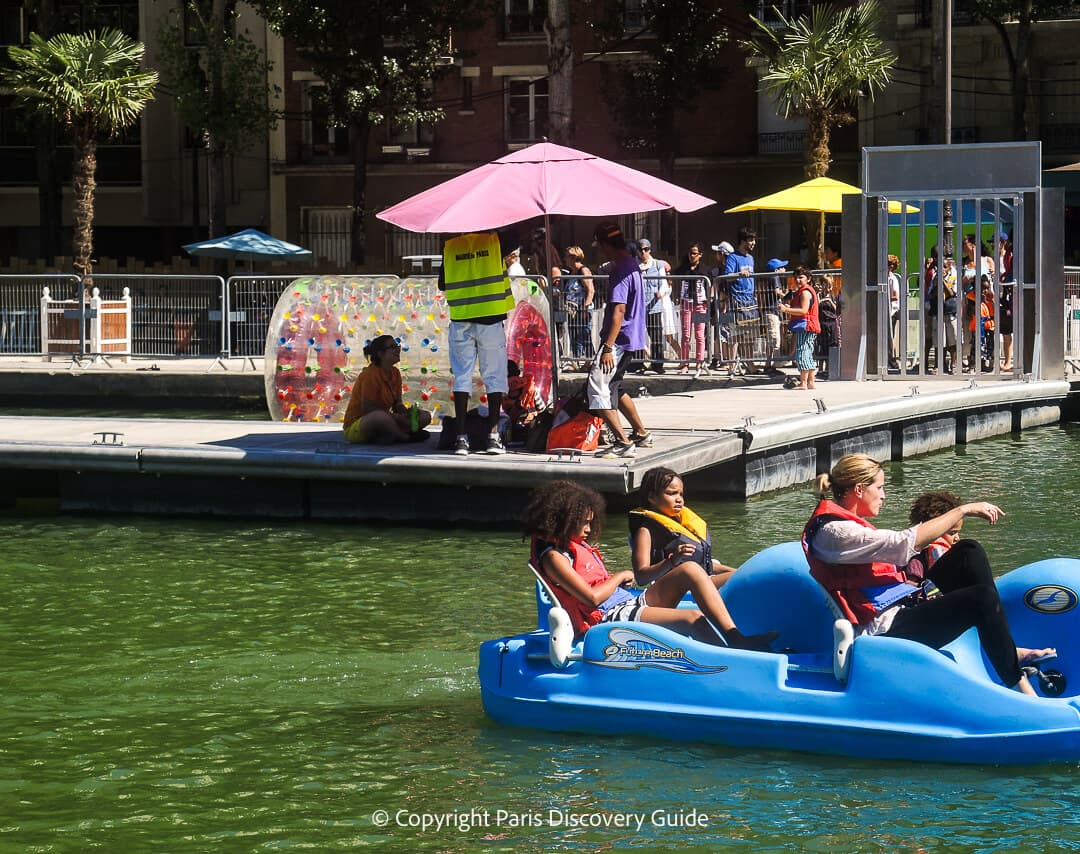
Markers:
point(572, 455)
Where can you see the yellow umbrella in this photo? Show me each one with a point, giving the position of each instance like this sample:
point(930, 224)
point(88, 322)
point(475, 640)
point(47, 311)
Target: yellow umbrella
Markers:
point(817, 194)
point(824, 195)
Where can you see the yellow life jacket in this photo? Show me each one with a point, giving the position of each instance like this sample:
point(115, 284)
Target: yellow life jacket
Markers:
point(476, 282)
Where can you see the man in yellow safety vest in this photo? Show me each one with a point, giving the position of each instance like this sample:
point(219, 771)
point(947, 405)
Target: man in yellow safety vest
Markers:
point(479, 299)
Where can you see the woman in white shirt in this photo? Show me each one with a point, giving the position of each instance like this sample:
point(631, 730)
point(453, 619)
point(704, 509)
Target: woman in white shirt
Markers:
point(862, 569)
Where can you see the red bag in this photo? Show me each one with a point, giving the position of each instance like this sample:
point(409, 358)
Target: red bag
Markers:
point(580, 433)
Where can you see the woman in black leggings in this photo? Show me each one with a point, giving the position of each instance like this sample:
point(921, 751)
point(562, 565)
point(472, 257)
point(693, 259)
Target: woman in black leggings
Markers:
point(862, 568)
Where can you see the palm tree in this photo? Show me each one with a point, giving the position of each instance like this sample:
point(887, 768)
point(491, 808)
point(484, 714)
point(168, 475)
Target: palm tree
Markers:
point(817, 66)
point(91, 84)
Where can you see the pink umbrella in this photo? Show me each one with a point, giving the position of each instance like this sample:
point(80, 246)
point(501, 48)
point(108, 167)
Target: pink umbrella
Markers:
point(542, 179)
point(539, 180)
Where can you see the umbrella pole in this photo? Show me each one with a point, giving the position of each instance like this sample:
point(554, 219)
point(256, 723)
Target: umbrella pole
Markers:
point(821, 241)
point(551, 314)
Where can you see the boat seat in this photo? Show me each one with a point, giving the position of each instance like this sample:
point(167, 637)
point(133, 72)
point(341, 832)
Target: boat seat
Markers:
point(843, 638)
point(560, 629)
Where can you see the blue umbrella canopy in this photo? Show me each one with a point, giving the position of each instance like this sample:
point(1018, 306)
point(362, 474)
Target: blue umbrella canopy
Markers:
point(248, 245)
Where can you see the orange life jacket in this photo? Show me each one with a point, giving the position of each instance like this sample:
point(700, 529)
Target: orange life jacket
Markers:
point(847, 583)
point(589, 565)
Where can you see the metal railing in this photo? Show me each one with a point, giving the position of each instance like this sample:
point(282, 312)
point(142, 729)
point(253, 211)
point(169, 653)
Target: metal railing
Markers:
point(1072, 319)
point(210, 318)
point(695, 323)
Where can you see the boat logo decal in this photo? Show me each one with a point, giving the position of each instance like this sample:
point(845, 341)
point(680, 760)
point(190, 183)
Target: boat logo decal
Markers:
point(1051, 599)
point(630, 649)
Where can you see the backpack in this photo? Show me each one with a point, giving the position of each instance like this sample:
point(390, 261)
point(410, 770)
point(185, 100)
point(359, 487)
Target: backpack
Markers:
point(579, 432)
point(572, 425)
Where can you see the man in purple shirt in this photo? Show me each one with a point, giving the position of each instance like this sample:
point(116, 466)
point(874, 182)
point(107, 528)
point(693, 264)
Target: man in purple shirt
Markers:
point(622, 333)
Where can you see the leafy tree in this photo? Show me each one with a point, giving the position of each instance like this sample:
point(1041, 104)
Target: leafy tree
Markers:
point(817, 65)
point(683, 40)
point(1018, 50)
point(91, 83)
point(376, 59)
point(220, 90)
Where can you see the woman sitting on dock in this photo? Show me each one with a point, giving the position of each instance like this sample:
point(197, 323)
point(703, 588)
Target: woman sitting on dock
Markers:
point(376, 414)
point(859, 565)
point(561, 517)
point(665, 533)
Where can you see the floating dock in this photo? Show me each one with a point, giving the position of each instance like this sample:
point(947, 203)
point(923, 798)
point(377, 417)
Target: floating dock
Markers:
point(737, 440)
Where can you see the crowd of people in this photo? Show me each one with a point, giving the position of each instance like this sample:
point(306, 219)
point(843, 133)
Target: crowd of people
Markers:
point(703, 313)
point(981, 294)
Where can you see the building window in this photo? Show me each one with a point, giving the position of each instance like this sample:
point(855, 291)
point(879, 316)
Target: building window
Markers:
point(84, 16)
point(466, 94)
point(767, 11)
point(194, 34)
point(408, 133)
point(327, 232)
point(322, 141)
point(633, 16)
point(13, 29)
point(525, 18)
point(526, 110)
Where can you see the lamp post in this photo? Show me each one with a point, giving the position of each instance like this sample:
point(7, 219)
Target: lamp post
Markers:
point(947, 246)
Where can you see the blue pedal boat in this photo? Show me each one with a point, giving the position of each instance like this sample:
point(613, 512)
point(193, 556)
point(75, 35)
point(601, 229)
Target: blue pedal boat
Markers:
point(826, 692)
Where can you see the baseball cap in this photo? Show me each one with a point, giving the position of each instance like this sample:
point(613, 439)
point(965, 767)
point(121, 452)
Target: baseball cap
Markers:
point(775, 264)
point(723, 246)
point(608, 233)
point(644, 243)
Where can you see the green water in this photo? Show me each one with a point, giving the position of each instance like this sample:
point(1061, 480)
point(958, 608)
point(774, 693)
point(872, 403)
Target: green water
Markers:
point(169, 685)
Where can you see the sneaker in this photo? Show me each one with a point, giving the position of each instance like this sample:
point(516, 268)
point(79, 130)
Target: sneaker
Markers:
point(495, 445)
point(461, 446)
point(617, 449)
point(642, 440)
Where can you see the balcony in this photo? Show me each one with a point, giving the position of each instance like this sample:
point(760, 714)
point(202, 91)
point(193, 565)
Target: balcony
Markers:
point(785, 142)
point(1060, 139)
point(964, 135)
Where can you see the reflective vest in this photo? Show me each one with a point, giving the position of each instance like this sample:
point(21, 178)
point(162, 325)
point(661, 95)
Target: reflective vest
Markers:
point(848, 583)
point(589, 565)
point(476, 282)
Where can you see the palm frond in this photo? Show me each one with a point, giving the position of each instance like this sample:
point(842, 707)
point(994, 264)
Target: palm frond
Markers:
point(92, 77)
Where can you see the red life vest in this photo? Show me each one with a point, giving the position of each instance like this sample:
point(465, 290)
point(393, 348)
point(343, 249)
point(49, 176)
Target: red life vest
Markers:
point(845, 582)
point(813, 322)
point(589, 565)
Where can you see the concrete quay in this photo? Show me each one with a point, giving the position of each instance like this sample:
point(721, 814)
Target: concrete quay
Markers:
point(739, 439)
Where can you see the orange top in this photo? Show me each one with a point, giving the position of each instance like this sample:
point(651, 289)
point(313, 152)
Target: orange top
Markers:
point(373, 389)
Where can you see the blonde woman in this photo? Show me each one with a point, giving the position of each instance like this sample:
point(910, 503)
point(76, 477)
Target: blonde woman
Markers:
point(862, 569)
point(578, 292)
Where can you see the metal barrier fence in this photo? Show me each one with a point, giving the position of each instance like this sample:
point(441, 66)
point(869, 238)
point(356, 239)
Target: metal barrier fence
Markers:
point(20, 309)
point(171, 315)
point(207, 317)
point(251, 301)
point(1072, 319)
point(694, 323)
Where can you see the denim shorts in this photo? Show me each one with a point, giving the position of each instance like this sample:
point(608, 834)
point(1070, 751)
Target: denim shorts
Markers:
point(484, 342)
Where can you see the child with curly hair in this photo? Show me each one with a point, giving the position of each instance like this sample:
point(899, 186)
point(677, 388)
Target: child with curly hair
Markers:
point(560, 519)
point(929, 506)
